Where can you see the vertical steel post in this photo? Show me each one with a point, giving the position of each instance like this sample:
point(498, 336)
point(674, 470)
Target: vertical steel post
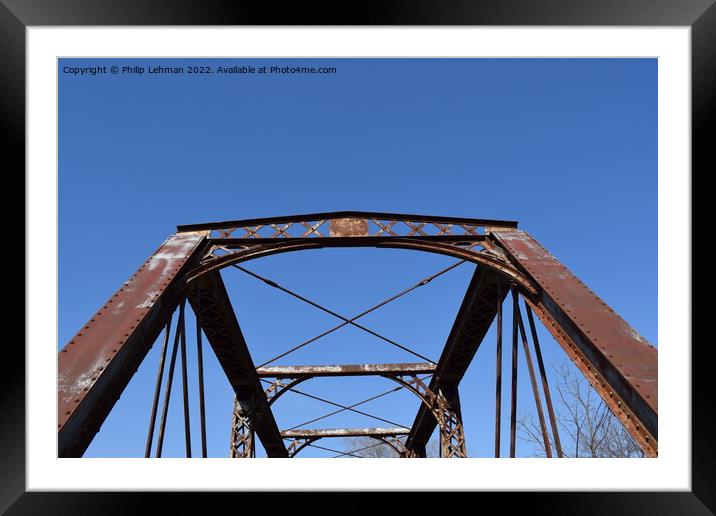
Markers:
point(170, 382)
point(513, 406)
point(498, 378)
point(545, 385)
point(200, 372)
point(185, 386)
point(157, 389)
point(533, 378)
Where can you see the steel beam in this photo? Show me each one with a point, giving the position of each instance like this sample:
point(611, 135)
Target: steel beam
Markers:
point(98, 362)
point(211, 303)
point(306, 433)
point(347, 241)
point(620, 363)
point(342, 215)
point(344, 370)
point(474, 318)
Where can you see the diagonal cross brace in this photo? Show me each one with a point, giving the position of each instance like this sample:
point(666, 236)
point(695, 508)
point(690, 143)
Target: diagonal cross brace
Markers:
point(211, 303)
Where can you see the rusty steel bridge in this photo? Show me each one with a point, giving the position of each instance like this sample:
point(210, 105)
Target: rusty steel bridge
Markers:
point(99, 361)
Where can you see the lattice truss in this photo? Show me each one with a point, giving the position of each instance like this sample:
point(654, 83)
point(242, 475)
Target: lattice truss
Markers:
point(373, 227)
point(510, 264)
point(242, 434)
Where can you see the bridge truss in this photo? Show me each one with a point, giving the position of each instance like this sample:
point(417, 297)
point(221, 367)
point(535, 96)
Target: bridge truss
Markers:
point(99, 361)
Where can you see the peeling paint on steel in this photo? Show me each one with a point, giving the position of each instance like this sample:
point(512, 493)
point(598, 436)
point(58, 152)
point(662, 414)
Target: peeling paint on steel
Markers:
point(91, 352)
point(348, 227)
point(344, 370)
point(345, 432)
point(611, 341)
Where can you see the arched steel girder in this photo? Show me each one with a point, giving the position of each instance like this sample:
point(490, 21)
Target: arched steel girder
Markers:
point(299, 444)
point(452, 435)
point(486, 258)
point(276, 389)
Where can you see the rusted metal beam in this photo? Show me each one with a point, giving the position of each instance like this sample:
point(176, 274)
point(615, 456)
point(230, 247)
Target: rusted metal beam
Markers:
point(337, 215)
point(98, 362)
point(473, 320)
point(344, 370)
point(211, 304)
point(344, 241)
point(618, 362)
point(305, 433)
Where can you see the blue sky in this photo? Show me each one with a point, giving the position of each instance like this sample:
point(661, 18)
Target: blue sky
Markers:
point(567, 147)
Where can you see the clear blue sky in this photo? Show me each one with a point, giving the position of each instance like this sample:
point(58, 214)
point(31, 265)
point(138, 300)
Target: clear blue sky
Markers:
point(567, 147)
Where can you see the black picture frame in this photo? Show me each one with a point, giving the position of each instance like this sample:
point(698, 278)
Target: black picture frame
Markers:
point(700, 15)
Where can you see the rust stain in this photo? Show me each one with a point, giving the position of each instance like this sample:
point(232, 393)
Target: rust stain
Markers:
point(91, 351)
point(349, 227)
point(610, 336)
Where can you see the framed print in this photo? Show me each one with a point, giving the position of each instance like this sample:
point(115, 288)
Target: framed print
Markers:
point(530, 155)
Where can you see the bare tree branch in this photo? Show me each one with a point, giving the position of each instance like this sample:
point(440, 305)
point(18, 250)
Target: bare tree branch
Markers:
point(590, 427)
point(369, 447)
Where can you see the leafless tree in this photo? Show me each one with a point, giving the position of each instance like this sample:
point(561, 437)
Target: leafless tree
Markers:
point(432, 449)
point(586, 425)
point(369, 447)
